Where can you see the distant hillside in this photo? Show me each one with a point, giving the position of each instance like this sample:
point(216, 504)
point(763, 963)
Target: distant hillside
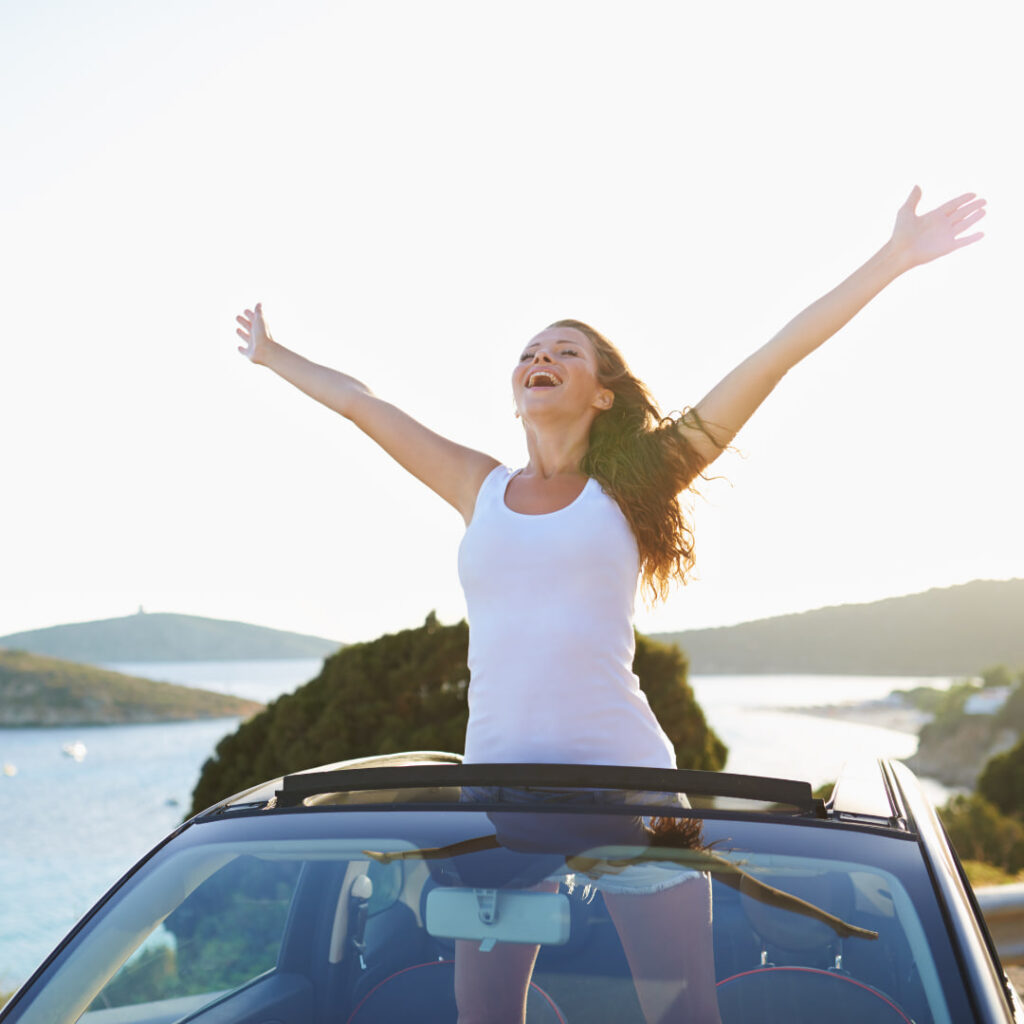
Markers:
point(166, 637)
point(955, 631)
point(35, 690)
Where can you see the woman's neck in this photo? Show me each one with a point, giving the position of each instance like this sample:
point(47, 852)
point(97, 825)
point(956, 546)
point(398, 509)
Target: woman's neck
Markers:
point(555, 453)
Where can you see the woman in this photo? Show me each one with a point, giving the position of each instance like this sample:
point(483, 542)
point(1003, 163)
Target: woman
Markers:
point(550, 561)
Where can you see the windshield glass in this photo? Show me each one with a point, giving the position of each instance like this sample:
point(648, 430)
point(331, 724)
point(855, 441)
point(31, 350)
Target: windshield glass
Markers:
point(359, 914)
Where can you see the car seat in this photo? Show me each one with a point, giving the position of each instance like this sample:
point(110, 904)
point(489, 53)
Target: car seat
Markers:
point(801, 973)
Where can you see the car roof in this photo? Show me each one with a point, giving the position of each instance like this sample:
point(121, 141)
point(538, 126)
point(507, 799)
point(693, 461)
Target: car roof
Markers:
point(867, 791)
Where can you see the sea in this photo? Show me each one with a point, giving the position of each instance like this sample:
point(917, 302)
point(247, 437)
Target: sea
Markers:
point(71, 826)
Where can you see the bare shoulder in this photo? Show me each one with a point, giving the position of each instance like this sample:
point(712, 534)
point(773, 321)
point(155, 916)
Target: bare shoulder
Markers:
point(478, 467)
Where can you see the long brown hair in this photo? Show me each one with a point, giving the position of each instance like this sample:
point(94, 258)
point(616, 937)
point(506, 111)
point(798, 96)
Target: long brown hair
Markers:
point(644, 462)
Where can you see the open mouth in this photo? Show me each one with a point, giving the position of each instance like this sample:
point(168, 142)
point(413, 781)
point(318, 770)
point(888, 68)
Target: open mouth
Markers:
point(542, 379)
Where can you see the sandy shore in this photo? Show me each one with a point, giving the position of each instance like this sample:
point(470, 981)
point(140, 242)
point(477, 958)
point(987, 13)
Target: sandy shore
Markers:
point(884, 714)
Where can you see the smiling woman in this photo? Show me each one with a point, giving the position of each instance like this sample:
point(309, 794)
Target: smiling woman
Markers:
point(550, 562)
point(644, 461)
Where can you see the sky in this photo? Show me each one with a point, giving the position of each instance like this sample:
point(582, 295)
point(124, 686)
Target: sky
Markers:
point(413, 191)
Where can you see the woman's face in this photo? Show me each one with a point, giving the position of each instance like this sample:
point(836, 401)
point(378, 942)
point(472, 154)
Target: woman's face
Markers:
point(557, 373)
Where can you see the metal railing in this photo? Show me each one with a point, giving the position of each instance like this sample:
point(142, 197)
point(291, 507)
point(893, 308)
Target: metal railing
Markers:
point(1003, 907)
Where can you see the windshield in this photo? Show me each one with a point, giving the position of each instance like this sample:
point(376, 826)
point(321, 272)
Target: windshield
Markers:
point(366, 914)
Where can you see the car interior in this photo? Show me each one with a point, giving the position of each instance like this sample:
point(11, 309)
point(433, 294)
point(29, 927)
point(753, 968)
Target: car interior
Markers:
point(359, 926)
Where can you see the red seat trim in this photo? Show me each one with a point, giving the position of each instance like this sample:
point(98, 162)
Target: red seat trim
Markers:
point(828, 974)
point(440, 963)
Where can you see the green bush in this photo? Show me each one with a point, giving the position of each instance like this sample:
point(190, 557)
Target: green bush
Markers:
point(1002, 781)
point(979, 873)
point(924, 698)
point(148, 978)
point(979, 831)
point(1011, 714)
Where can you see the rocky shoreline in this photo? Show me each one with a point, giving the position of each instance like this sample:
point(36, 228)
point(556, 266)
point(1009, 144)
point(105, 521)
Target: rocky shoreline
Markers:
point(955, 756)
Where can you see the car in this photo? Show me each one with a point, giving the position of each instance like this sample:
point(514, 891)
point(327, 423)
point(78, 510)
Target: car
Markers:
point(338, 894)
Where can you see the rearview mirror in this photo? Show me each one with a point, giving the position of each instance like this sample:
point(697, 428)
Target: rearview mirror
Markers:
point(497, 915)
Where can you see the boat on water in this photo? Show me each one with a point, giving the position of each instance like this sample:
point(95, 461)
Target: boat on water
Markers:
point(76, 751)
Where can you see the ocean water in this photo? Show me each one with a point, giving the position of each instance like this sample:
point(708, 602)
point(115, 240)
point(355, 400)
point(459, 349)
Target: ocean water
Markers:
point(758, 719)
point(254, 680)
point(69, 829)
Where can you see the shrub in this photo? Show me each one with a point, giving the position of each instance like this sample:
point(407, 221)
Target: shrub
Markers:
point(979, 832)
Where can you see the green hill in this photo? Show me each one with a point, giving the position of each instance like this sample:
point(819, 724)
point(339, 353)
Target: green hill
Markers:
point(35, 690)
point(167, 637)
point(955, 631)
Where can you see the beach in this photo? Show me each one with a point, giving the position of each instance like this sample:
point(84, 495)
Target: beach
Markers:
point(883, 714)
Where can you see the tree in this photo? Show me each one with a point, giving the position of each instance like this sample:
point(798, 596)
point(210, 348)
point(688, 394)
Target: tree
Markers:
point(407, 691)
point(1002, 781)
point(997, 676)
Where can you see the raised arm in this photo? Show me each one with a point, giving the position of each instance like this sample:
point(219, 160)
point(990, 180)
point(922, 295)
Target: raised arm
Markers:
point(915, 240)
point(449, 469)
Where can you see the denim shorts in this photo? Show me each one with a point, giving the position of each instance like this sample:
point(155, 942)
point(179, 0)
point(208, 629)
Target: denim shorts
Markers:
point(637, 879)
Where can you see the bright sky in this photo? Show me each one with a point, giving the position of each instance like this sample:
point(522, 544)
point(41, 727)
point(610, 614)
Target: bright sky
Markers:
point(413, 190)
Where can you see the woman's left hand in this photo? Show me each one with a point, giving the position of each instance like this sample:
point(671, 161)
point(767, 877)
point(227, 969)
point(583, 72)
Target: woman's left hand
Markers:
point(921, 238)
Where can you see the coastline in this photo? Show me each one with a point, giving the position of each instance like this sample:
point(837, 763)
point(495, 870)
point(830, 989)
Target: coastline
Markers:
point(883, 714)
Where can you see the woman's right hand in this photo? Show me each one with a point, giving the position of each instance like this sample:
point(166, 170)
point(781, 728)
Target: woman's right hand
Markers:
point(449, 469)
point(253, 331)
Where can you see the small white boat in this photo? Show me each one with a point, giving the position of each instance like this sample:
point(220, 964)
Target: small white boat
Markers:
point(76, 751)
point(10, 770)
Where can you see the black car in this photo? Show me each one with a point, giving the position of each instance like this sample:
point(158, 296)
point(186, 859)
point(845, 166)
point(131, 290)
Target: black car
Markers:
point(340, 895)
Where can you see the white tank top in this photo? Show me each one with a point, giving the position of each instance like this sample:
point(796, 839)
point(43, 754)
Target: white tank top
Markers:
point(550, 600)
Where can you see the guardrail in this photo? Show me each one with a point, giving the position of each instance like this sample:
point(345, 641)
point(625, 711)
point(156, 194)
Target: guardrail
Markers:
point(1003, 907)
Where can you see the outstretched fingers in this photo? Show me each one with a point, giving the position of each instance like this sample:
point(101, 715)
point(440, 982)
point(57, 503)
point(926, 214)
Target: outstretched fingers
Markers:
point(245, 331)
point(954, 204)
point(961, 242)
point(921, 238)
point(253, 331)
point(967, 221)
point(964, 218)
point(968, 214)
